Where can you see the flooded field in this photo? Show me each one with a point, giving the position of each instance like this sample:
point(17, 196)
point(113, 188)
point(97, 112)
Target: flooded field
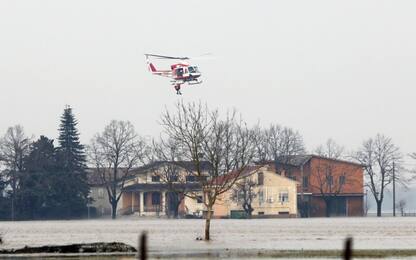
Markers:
point(178, 237)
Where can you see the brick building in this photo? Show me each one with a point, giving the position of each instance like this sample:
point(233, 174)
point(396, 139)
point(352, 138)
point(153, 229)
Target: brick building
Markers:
point(326, 187)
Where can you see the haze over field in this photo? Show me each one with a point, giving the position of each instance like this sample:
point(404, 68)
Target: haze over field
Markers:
point(230, 234)
point(326, 68)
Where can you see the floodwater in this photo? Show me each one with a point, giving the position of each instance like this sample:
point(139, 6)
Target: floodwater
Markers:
point(178, 237)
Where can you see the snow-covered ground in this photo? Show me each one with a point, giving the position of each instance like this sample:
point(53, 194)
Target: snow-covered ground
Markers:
point(170, 236)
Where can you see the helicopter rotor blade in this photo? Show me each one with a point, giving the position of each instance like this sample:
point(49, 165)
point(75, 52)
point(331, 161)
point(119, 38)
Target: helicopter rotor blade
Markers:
point(205, 56)
point(166, 57)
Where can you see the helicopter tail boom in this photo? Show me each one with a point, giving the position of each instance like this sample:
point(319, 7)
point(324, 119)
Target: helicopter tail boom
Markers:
point(152, 67)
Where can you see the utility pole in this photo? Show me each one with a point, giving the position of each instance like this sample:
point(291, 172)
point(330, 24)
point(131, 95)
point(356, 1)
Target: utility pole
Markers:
point(366, 203)
point(394, 191)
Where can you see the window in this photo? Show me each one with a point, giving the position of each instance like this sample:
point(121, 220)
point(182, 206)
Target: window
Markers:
point(260, 178)
point(305, 181)
point(155, 198)
point(240, 196)
point(293, 177)
point(284, 196)
point(100, 193)
point(199, 199)
point(261, 196)
point(342, 180)
point(193, 69)
point(179, 72)
point(190, 178)
point(329, 180)
point(174, 178)
point(261, 212)
point(155, 178)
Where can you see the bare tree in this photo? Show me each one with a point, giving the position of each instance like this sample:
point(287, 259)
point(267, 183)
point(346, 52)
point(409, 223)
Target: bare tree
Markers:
point(330, 150)
point(413, 156)
point(244, 192)
point(331, 180)
point(14, 146)
point(282, 144)
point(114, 153)
point(173, 173)
point(401, 206)
point(261, 145)
point(367, 206)
point(291, 143)
point(277, 141)
point(381, 158)
point(227, 144)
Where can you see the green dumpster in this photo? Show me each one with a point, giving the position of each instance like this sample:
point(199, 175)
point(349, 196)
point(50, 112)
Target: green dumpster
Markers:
point(238, 214)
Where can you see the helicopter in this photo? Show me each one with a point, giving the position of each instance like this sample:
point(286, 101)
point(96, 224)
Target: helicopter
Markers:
point(180, 73)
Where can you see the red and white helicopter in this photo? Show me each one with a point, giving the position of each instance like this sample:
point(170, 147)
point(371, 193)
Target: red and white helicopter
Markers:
point(180, 73)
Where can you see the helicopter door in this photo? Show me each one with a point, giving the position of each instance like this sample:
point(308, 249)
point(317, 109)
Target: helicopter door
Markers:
point(179, 72)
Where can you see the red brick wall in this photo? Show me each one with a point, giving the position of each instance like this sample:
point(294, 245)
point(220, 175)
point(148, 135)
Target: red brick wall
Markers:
point(353, 176)
point(315, 170)
point(317, 207)
point(355, 206)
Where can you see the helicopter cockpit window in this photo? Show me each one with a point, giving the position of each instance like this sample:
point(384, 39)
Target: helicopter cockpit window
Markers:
point(179, 72)
point(193, 69)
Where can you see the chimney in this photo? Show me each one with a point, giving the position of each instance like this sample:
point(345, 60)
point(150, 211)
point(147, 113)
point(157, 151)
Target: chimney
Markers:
point(275, 165)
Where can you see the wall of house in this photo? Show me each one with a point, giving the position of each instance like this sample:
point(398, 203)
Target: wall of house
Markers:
point(128, 203)
point(354, 176)
point(314, 170)
point(192, 207)
point(126, 200)
point(317, 207)
point(146, 177)
point(294, 173)
point(354, 206)
point(267, 204)
point(100, 201)
point(222, 206)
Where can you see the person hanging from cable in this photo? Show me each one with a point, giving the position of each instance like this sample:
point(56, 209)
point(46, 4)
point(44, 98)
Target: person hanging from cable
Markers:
point(178, 89)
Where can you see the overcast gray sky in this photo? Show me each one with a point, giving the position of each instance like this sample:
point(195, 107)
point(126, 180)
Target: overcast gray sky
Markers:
point(340, 69)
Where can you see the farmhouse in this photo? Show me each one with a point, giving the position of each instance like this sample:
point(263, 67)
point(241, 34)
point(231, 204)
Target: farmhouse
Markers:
point(262, 192)
point(155, 189)
point(326, 187)
point(301, 185)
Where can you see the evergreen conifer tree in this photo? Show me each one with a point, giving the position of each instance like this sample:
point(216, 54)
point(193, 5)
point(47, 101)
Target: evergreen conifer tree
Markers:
point(39, 195)
point(72, 162)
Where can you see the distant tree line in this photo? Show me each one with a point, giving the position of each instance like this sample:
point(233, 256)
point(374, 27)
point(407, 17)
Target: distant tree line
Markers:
point(41, 180)
point(44, 179)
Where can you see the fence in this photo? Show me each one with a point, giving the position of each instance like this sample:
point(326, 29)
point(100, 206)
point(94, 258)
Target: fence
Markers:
point(143, 248)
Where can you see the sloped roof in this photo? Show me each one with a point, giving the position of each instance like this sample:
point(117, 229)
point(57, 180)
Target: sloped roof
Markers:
point(188, 165)
point(94, 177)
point(160, 186)
point(294, 160)
point(299, 160)
point(236, 174)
